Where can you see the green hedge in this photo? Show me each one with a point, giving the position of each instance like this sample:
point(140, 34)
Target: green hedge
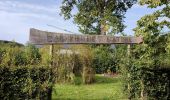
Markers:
point(25, 82)
point(149, 84)
point(156, 83)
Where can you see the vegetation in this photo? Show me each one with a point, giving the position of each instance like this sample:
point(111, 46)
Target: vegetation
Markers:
point(72, 62)
point(104, 88)
point(4, 42)
point(25, 82)
point(104, 59)
point(97, 16)
point(31, 73)
point(148, 67)
point(22, 76)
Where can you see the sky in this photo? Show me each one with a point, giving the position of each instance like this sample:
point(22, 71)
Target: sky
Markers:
point(18, 16)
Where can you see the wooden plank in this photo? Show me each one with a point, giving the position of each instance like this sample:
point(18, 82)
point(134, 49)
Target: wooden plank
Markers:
point(43, 37)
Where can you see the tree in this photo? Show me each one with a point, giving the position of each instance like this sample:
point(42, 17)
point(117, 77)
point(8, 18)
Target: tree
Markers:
point(154, 28)
point(97, 16)
point(148, 77)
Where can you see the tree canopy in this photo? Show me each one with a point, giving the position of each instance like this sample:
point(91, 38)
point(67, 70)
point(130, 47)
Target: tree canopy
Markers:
point(97, 16)
point(148, 68)
point(155, 29)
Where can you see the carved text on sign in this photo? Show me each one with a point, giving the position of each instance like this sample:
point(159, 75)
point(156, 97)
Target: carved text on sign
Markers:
point(43, 37)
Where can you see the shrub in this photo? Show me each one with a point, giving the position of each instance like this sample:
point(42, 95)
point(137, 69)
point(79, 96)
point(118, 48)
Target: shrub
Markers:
point(22, 75)
point(104, 59)
point(156, 83)
point(86, 58)
point(146, 70)
point(73, 62)
point(24, 82)
point(32, 54)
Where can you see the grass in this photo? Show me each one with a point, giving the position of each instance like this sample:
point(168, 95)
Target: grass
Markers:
point(103, 89)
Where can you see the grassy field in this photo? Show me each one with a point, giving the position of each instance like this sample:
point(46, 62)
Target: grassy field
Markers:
point(103, 89)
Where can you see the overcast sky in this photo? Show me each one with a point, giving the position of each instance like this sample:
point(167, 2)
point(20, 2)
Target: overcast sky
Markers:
point(18, 16)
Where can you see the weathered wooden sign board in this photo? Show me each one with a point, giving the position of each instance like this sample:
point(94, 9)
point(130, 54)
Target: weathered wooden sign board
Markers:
point(43, 37)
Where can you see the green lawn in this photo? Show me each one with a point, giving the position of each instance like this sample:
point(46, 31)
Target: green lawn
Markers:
point(104, 89)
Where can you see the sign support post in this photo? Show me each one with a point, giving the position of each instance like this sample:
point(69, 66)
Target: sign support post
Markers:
point(128, 74)
point(51, 65)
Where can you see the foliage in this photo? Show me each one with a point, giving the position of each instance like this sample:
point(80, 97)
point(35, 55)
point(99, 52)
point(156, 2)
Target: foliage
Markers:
point(154, 3)
point(156, 83)
point(146, 77)
point(45, 55)
point(10, 43)
point(86, 58)
point(15, 56)
point(104, 59)
point(97, 16)
point(64, 62)
point(24, 82)
point(11, 55)
point(32, 54)
point(22, 75)
point(72, 62)
point(155, 33)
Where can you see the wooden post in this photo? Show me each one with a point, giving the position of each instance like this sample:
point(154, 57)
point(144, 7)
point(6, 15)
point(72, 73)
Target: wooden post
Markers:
point(128, 74)
point(51, 51)
point(128, 48)
point(142, 89)
point(51, 65)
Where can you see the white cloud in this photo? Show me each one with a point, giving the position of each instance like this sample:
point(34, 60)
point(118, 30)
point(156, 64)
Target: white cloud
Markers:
point(15, 5)
point(22, 9)
point(16, 18)
point(25, 10)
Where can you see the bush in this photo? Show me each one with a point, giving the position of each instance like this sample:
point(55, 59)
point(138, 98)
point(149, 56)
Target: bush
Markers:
point(104, 59)
point(17, 56)
point(145, 82)
point(77, 80)
point(156, 83)
point(23, 75)
point(144, 69)
point(24, 82)
point(86, 59)
point(73, 62)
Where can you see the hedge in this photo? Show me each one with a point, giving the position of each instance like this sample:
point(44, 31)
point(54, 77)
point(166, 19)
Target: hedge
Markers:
point(25, 82)
point(156, 83)
point(149, 84)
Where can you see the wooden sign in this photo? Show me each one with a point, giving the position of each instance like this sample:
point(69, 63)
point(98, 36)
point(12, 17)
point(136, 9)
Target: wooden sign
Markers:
point(43, 37)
